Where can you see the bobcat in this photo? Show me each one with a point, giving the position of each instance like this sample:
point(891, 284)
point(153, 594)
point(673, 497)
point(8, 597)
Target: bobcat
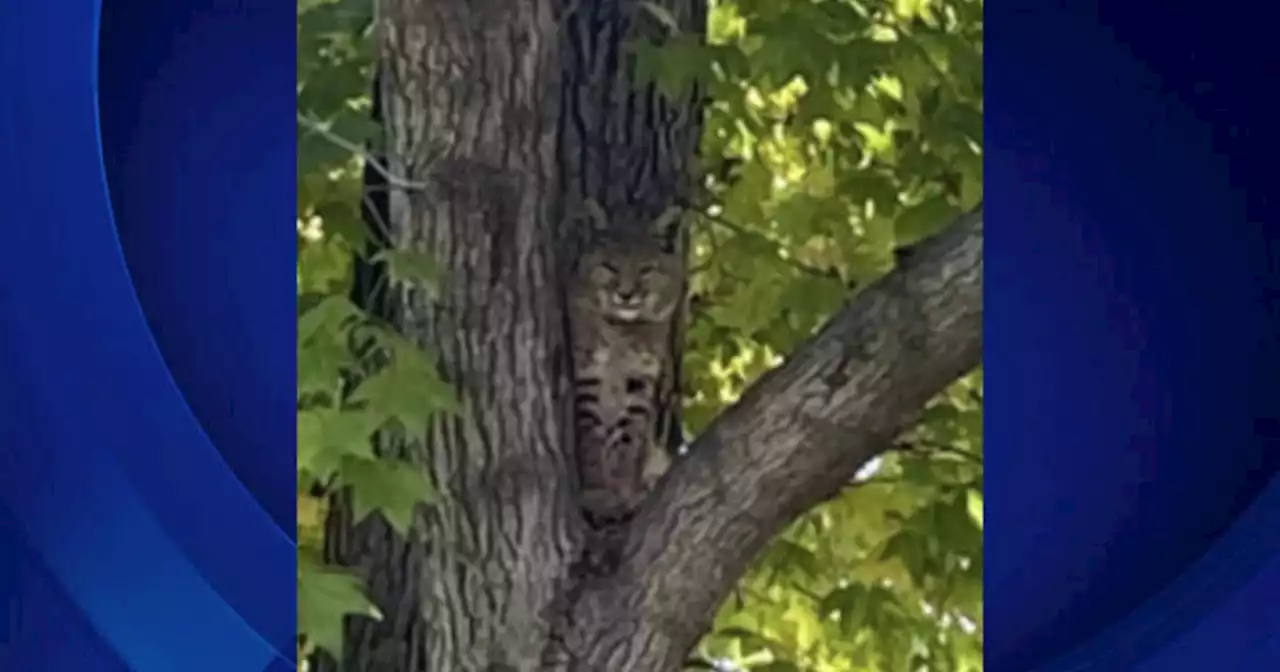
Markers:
point(623, 303)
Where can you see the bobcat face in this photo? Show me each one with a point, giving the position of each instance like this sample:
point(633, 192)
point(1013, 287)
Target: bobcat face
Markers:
point(631, 280)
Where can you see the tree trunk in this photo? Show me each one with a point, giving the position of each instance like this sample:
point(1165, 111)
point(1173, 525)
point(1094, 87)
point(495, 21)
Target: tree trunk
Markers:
point(467, 98)
point(510, 114)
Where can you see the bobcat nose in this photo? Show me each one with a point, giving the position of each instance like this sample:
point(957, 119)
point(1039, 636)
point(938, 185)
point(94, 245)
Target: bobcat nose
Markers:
point(625, 295)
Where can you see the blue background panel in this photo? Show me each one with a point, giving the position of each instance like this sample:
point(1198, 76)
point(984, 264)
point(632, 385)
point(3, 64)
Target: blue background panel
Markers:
point(147, 316)
point(1131, 340)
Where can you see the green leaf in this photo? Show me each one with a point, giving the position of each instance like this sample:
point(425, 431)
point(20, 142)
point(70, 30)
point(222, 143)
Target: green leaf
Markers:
point(413, 267)
point(789, 556)
point(329, 315)
point(310, 439)
point(850, 602)
point(682, 60)
point(955, 529)
point(342, 219)
point(973, 505)
point(392, 488)
point(410, 397)
point(326, 436)
point(924, 220)
point(325, 595)
point(323, 265)
point(410, 389)
point(320, 366)
point(749, 641)
point(908, 549)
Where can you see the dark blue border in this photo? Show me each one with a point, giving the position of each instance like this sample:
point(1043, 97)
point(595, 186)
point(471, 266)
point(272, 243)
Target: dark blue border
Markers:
point(1132, 357)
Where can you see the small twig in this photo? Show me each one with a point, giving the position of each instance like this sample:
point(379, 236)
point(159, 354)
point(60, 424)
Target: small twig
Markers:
point(962, 454)
point(827, 273)
point(323, 131)
point(701, 210)
point(715, 251)
point(378, 223)
point(940, 450)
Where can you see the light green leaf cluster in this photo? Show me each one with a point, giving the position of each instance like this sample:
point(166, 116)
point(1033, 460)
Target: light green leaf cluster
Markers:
point(839, 132)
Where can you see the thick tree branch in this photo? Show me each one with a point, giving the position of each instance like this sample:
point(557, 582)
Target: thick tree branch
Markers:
point(795, 438)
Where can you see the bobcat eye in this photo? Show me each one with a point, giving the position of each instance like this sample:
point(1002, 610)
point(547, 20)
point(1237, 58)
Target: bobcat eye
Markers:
point(647, 269)
point(609, 268)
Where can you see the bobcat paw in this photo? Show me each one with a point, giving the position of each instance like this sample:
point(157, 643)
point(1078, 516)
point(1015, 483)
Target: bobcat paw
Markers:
point(603, 504)
point(655, 467)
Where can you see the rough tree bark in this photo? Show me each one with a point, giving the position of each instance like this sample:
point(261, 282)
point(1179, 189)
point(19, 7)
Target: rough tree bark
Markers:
point(510, 113)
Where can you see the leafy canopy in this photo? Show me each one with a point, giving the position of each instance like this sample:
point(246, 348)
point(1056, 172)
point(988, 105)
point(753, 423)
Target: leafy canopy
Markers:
point(838, 131)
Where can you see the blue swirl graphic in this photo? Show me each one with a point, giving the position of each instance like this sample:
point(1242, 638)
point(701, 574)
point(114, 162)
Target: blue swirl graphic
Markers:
point(114, 484)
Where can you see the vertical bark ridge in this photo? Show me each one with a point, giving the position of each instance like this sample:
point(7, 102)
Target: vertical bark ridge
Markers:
point(466, 92)
point(621, 142)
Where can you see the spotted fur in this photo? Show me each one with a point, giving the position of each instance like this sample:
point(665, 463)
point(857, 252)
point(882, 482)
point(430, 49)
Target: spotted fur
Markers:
point(624, 298)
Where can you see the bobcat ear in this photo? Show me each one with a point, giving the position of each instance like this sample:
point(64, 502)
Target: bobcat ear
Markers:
point(597, 220)
point(666, 228)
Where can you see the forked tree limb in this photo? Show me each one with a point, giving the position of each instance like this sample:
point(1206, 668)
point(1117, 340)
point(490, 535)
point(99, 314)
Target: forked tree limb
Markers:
point(794, 438)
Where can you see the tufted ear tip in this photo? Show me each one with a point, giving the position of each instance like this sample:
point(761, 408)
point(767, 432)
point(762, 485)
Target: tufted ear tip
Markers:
point(666, 228)
point(597, 220)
